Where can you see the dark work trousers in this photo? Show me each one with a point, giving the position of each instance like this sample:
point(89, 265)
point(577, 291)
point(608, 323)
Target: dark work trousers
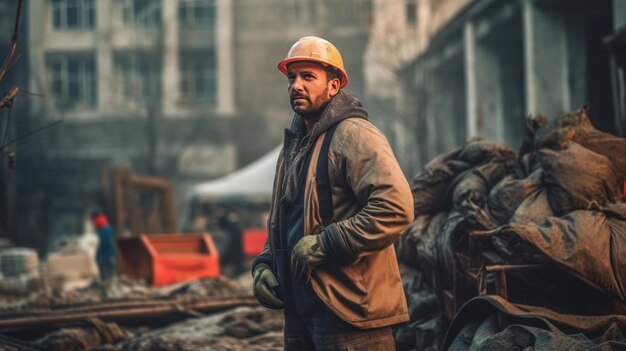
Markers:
point(324, 331)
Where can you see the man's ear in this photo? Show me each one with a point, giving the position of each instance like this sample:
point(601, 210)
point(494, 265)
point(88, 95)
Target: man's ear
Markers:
point(333, 87)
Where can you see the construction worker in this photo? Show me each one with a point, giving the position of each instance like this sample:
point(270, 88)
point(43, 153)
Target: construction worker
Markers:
point(339, 202)
point(106, 252)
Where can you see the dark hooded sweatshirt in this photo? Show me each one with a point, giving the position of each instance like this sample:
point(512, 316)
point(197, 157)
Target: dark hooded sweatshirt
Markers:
point(298, 145)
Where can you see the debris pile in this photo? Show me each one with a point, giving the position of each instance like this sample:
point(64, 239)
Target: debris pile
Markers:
point(241, 329)
point(124, 314)
point(532, 227)
point(19, 270)
point(73, 264)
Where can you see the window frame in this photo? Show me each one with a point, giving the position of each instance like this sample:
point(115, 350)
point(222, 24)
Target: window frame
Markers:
point(135, 79)
point(410, 12)
point(73, 69)
point(188, 9)
point(85, 15)
point(295, 16)
point(149, 18)
point(198, 67)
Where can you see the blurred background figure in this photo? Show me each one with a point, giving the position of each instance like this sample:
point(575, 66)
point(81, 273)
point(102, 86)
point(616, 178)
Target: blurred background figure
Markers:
point(232, 255)
point(225, 227)
point(106, 252)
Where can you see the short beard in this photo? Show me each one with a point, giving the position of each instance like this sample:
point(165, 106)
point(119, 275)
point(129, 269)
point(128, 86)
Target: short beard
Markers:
point(317, 106)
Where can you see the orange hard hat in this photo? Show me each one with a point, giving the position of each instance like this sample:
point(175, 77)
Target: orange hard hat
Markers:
point(314, 49)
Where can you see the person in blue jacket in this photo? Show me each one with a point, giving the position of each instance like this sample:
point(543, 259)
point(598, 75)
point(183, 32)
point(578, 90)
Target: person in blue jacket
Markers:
point(106, 252)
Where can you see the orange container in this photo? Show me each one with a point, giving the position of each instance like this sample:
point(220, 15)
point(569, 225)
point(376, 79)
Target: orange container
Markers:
point(170, 258)
point(253, 241)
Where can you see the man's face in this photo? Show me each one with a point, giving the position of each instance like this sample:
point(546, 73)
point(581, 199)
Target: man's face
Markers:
point(309, 88)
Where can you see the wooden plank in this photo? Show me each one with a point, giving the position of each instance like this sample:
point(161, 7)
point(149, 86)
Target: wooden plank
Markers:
point(123, 312)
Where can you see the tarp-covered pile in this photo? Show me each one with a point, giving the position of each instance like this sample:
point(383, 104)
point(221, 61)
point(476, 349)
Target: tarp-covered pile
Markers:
point(557, 201)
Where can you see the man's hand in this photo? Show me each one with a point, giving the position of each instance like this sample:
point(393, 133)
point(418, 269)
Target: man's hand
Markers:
point(265, 284)
point(306, 255)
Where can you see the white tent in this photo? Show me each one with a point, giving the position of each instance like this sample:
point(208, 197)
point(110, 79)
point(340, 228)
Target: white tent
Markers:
point(251, 183)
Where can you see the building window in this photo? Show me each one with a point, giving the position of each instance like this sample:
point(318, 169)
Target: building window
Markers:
point(411, 12)
point(72, 81)
point(301, 12)
point(352, 12)
point(138, 79)
point(197, 13)
point(140, 13)
point(198, 81)
point(73, 14)
point(363, 11)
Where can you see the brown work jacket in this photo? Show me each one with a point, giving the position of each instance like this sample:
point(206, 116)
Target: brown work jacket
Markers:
point(372, 206)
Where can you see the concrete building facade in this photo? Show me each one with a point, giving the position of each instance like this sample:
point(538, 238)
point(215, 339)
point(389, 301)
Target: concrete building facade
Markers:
point(400, 33)
point(496, 62)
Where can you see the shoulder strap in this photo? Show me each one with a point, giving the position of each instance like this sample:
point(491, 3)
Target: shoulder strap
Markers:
point(322, 180)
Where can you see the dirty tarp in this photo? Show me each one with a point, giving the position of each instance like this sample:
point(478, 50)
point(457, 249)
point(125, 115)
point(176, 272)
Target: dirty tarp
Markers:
point(416, 247)
point(429, 186)
point(475, 186)
point(535, 208)
point(432, 187)
point(491, 323)
point(506, 196)
point(591, 244)
point(426, 323)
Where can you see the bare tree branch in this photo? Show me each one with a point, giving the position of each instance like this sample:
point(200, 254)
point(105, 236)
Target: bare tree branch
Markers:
point(25, 135)
point(7, 100)
point(16, 32)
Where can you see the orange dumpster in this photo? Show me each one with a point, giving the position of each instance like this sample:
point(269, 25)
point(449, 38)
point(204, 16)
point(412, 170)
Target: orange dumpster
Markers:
point(168, 258)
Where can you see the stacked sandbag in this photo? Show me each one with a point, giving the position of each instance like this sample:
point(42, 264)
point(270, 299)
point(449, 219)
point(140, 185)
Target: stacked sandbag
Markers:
point(447, 192)
point(546, 205)
point(581, 164)
point(582, 172)
point(576, 127)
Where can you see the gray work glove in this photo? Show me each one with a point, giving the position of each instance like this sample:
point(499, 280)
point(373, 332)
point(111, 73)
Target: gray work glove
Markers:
point(265, 285)
point(306, 255)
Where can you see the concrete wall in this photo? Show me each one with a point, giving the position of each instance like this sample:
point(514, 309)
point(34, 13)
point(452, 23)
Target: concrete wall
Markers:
point(498, 81)
point(517, 58)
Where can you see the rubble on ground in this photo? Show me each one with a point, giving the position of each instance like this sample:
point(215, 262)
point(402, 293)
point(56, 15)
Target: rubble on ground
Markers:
point(244, 328)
